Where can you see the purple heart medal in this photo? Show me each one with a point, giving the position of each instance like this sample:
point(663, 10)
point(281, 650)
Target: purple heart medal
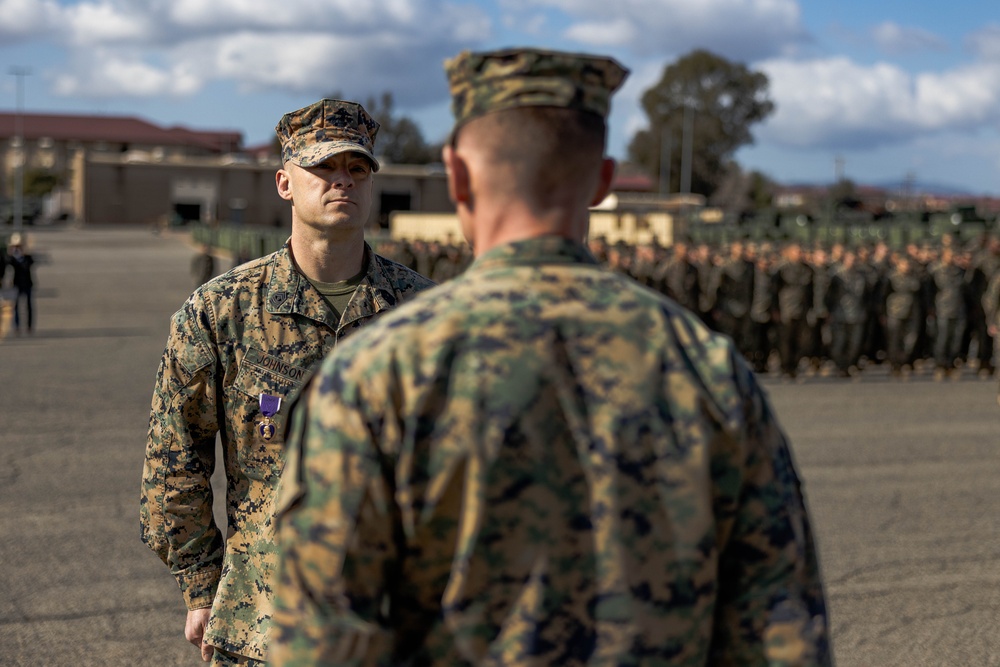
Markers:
point(269, 406)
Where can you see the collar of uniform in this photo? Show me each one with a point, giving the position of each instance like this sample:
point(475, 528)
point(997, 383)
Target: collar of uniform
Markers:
point(290, 292)
point(541, 250)
point(375, 293)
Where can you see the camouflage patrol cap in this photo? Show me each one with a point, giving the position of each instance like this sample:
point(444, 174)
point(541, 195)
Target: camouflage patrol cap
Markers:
point(491, 81)
point(314, 133)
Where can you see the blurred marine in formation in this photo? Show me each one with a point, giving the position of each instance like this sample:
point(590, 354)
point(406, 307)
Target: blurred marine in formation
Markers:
point(240, 346)
point(540, 462)
point(837, 309)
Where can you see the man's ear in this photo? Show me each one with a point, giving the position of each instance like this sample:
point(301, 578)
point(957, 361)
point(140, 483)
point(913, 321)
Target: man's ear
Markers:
point(604, 182)
point(458, 176)
point(284, 184)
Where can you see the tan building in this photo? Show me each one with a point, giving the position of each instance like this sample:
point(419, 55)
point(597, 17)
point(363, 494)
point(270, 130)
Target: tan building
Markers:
point(627, 217)
point(124, 170)
point(126, 189)
point(52, 144)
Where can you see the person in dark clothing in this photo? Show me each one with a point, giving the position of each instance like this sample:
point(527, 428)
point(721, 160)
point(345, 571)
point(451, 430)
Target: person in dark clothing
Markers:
point(793, 284)
point(735, 294)
point(949, 312)
point(877, 269)
point(981, 270)
point(21, 263)
point(849, 287)
point(904, 314)
point(708, 287)
point(761, 313)
point(678, 278)
point(203, 266)
point(643, 268)
point(819, 315)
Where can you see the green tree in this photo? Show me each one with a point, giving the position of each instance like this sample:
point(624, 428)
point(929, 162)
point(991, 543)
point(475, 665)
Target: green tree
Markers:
point(40, 182)
point(721, 101)
point(843, 195)
point(740, 193)
point(399, 139)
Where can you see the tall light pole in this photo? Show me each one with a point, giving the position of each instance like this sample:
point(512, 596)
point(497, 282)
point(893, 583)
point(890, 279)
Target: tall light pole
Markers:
point(20, 73)
point(666, 139)
point(687, 147)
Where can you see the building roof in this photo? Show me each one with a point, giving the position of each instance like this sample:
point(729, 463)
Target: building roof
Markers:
point(116, 130)
point(631, 177)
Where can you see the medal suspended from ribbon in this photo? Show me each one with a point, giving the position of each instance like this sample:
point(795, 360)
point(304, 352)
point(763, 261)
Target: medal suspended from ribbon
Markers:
point(269, 406)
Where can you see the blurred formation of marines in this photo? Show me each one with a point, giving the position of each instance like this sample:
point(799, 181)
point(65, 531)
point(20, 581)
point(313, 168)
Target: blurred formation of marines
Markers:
point(541, 461)
point(991, 308)
point(237, 349)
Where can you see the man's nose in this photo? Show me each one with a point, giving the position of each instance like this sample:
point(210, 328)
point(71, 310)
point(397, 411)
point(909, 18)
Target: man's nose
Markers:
point(342, 178)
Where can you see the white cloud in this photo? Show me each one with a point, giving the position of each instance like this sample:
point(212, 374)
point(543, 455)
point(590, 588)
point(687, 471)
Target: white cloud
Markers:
point(114, 74)
point(614, 33)
point(740, 29)
point(985, 42)
point(531, 24)
point(895, 39)
point(102, 23)
point(176, 47)
point(834, 102)
point(26, 19)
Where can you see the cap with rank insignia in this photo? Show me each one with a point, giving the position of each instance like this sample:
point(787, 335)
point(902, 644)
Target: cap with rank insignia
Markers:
point(312, 134)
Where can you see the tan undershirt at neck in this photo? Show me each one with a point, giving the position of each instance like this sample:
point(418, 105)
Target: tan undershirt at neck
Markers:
point(339, 294)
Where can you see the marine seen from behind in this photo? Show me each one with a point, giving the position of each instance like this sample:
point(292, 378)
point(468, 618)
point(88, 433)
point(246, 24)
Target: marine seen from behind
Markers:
point(540, 462)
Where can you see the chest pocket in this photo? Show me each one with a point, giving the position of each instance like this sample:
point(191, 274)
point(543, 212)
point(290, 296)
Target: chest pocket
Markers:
point(261, 373)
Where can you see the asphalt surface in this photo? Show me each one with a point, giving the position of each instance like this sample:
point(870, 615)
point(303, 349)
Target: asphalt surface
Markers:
point(903, 480)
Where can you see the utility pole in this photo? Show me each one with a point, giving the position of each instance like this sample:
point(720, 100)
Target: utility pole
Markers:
point(20, 73)
point(687, 147)
point(666, 139)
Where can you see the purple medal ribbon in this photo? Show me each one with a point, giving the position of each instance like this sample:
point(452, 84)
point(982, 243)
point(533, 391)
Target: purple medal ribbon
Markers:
point(269, 406)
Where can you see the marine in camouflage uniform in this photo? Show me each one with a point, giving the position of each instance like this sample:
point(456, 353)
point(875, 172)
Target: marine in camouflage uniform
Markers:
point(793, 284)
point(991, 308)
point(847, 301)
point(541, 461)
point(950, 315)
point(735, 297)
point(904, 314)
point(258, 329)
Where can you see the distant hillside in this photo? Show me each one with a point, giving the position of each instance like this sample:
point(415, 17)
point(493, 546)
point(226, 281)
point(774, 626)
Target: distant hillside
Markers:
point(918, 187)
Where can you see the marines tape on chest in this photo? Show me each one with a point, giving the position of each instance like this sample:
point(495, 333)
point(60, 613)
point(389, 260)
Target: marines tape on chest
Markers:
point(271, 363)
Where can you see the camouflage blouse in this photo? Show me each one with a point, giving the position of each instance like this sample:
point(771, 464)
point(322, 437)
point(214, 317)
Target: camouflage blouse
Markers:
point(258, 329)
point(542, 462)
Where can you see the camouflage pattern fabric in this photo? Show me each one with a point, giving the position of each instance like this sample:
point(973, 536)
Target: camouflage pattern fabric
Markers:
point(542, 462)
point(484, 82)
point(257, 329)
point(314, 133)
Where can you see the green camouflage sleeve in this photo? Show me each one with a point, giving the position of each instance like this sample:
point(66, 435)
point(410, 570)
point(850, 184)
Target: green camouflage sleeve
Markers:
point(770, 608)
point(176, 501)
point(336, 536)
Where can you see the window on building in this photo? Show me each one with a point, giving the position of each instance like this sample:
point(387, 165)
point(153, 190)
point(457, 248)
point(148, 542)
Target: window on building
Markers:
point(392, 201)
point(188, 212)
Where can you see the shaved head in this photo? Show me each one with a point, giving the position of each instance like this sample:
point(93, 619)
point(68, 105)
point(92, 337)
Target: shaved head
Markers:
point(542, 155)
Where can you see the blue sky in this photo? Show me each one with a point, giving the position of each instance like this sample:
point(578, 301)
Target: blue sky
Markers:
point(893, 88)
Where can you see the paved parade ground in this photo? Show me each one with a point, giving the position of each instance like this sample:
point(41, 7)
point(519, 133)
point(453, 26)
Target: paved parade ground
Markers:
point(903, 480)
